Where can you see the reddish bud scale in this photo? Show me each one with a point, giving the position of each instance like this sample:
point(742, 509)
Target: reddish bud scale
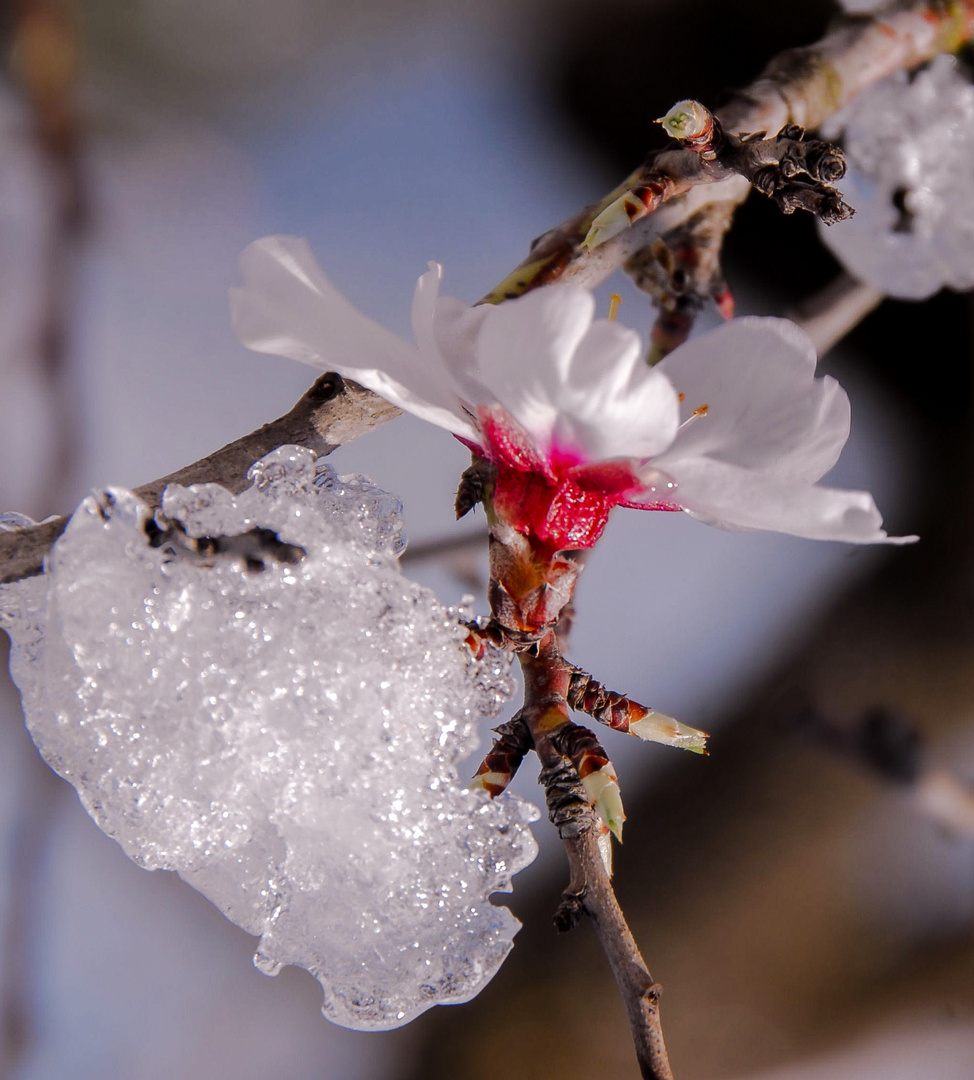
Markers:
point(589, 761)
point(589, 696)
point(528, 589)
point(481, 637)
point(476, 644)
point(504, 757)
point(706, 139)
point(646, 198)
point(582, 748)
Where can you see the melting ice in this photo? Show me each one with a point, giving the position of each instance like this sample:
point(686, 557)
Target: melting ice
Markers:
point(910, 149)
point(285, 739)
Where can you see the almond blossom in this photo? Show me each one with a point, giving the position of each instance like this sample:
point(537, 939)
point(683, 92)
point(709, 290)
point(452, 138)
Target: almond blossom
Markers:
point(733, 427)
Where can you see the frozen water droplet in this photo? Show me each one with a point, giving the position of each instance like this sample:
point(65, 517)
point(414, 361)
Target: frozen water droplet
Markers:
point(288, 741)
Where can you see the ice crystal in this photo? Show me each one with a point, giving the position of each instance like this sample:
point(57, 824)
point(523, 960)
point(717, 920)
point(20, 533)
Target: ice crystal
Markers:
point(284, 731)
point(909, 144)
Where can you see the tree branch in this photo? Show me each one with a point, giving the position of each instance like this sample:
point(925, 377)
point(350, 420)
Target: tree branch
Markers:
point(546, 685)
point(801, 86)
point(332, 412)
point(640, 992)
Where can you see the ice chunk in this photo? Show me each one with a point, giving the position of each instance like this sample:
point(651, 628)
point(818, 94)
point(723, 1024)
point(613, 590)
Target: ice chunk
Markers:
point(282, 731)
point(910, 149)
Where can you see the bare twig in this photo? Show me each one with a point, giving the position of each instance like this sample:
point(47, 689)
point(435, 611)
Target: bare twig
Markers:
point(546, 685)
point(590, 886)
point(331, 413)
point(795, 173)
point(531, 586)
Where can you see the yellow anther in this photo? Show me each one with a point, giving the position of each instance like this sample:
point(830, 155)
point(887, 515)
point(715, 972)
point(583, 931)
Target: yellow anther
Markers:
point(614, 301)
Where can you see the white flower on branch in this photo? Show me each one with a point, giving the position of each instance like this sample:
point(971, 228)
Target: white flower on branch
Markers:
point(733, 427)
point(909, 145)
point(282, 727)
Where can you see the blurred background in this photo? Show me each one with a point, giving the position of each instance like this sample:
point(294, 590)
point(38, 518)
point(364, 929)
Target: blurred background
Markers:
point(806, 893)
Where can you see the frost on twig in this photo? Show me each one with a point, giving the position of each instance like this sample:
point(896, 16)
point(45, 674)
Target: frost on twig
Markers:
point(248, 692)
point(910, 144)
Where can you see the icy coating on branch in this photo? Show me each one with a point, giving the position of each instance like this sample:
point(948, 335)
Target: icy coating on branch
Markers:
point(909, 145)
point(288, 738)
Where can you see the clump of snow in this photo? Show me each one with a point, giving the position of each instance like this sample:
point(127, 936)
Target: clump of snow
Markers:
point(909, 145)
point(286, 739)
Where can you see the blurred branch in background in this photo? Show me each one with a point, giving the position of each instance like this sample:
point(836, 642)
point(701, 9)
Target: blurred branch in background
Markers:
point(836, 310)
point(42, 64)
point(891, 746)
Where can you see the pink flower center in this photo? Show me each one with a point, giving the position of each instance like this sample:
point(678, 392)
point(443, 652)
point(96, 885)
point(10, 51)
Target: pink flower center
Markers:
point(558, 497)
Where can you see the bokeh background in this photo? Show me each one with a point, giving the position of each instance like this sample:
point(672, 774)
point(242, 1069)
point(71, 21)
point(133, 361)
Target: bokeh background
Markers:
point(807, 912)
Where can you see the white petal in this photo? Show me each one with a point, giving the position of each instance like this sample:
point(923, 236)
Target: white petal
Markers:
point(766, 409)
point(614, 405)
point(288, 307)
point(735, 498)
point(425, 300)
point(525, 348)
point(457, 326)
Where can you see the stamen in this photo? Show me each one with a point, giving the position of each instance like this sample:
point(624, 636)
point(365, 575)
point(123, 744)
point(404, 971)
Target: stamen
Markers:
point(614, 301)
point(700, 410)
point(682, 398)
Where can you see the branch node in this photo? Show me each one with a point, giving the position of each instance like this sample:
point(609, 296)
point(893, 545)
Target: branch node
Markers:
point(569, 809)
point(324, 388)
point(569, 912)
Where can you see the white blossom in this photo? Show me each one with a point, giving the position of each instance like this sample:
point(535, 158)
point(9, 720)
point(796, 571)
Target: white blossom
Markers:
point(733, 427)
